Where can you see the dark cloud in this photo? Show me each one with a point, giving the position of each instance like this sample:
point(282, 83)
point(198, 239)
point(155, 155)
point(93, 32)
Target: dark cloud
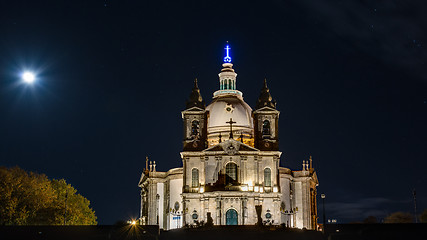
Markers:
point(391, 31)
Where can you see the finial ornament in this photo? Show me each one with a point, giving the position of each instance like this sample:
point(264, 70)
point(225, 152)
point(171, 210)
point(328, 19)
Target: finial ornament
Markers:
point(311, 163)
point(227, 58)
point(146, 164)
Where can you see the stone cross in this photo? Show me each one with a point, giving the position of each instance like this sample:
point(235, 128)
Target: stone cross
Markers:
point(231, 127)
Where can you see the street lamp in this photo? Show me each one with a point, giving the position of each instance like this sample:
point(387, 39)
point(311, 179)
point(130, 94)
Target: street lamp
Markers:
point(323, 196)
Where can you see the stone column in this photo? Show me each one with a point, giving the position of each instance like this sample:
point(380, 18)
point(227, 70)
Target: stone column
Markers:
point(244, 210)
point(218, 210)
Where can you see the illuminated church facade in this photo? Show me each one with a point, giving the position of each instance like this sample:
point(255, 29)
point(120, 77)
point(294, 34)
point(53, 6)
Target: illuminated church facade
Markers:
point(230, 172)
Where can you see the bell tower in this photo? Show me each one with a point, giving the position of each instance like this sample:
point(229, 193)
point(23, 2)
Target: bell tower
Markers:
point(266, 121)
point(195, 125)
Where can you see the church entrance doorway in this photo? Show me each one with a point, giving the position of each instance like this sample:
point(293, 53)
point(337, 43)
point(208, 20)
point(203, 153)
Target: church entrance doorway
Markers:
point(231, 216)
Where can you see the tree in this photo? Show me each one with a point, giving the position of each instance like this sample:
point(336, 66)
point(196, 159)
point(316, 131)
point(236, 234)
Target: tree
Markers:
point(74, 206)
point(423, 216)
point(33, 199)
point(370, 219)
point(399, 217)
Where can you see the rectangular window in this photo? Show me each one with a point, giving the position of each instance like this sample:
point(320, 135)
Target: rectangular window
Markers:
point(267, 177)
point(195, 177)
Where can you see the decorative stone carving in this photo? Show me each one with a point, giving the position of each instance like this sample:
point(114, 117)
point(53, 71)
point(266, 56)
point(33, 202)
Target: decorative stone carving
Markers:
point(231, 147)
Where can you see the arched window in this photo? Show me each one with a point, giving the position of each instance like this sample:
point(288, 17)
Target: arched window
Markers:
point(266, 127)
point(195, 177)
point(230, 173)
point(194, 128)
point(229, 84)
point(267, 177)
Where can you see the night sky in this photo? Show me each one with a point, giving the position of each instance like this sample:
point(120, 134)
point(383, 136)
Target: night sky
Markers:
point(349, 77)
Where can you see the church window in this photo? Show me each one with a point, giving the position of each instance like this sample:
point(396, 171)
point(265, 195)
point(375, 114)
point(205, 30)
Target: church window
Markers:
point(194, 128)
point(195, 177)
point(230, 173)
point(266, 127)
point(229, 84)
point(267, 177)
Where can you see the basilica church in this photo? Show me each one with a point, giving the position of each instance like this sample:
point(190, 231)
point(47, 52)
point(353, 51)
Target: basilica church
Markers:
point(230, 173)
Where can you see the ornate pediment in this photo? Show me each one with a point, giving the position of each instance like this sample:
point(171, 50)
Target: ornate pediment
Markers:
point(142, 178)
point(266, 109)
point(231, 147)
point(194, 109)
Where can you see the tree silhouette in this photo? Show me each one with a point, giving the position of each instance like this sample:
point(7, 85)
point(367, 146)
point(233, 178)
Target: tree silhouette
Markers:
point(370, 219)
point(399, 217)
point(423, 216)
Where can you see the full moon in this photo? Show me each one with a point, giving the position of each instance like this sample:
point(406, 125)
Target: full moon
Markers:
point(28, 77)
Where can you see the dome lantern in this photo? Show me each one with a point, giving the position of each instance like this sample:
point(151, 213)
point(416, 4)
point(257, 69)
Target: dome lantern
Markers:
point(227, 77)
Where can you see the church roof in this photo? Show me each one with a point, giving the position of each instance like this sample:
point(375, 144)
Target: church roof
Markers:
point(195, 99)
point(265, 99)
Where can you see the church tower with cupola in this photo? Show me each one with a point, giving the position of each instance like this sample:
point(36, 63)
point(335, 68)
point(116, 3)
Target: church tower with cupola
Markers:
point(231, 173)
point(266, 121)
point(194, 117)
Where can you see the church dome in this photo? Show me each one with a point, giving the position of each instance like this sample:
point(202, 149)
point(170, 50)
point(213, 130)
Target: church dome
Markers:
point(221, 110)
point(228, 108)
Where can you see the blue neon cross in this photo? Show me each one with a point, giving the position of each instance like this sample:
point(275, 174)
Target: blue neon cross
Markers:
point(227, 58)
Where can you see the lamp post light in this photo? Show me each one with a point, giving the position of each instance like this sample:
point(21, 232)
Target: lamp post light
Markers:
point(323, 196)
